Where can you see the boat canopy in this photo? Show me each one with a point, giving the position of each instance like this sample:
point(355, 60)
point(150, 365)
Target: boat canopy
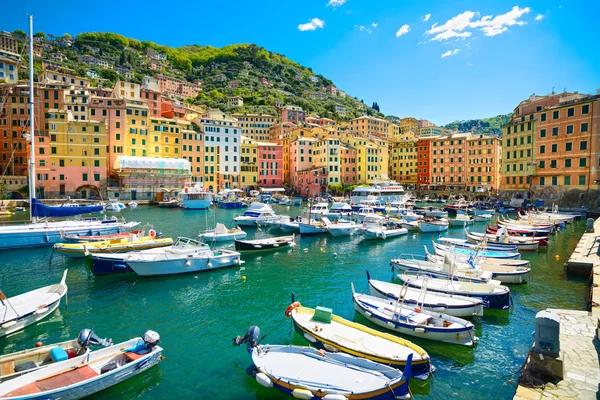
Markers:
point(272, 190)
point(128, 162)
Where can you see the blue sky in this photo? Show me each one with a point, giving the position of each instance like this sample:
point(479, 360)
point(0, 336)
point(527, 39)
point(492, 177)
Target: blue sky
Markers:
point(390, 51)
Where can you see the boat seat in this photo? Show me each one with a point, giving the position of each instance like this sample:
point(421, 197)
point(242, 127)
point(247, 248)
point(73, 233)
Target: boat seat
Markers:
point(133, 356)
point(54, 382)
point(7, 368)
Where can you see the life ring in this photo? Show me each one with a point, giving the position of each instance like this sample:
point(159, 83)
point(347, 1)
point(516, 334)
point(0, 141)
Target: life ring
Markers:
point(152, 233)
point(288, 311)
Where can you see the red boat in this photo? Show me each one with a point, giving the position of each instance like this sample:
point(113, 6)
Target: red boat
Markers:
point(120, 235)
point(513, 232)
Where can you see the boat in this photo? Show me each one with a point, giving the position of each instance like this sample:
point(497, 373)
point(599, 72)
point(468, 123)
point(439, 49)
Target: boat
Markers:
point(30, 360)
point(519, 232)
point(183, 257)
point(410, 216)
point(407, 319)
point(374, 228)
point(522, 243)
point(222, 234)
point(330, 332)
point(411, 225)
point(505, 274)
point(28, 308)
point(410, 264)
point(483, 217)
point(169, 203)
point(5, 212)
point(195, 198)
point(386, 192)
point(478, 258)
point(273, 243)
point(461, 220)
point(230, 199)
point(465, 244)
point(19, 209)
point(120, 245)
point(308, 373)
point(41, 210)
point(436, 213)
point(258, 214)
point(319, 208)
point(86, 374)
point(113, 207)
point(339, 210)
point(458, 306)
point(341, 227)
point(132, 204)
point(493, 296)
point(294, 201)
point(365, 212)
point(520, 225)
point(312, 226)
point(484, 211)
point(433, 225)
point(441, 250)
point(288, 225)
point(85, 238)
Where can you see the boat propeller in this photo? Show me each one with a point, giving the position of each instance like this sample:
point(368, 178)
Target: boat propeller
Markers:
point(251, 338)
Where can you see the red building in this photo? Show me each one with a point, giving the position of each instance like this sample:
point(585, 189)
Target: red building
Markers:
point(294, 115)
point(270, 164)
point(424, 162)
point(154, 101)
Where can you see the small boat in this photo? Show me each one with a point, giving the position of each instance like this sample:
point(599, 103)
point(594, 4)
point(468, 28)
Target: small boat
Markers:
point(172, 203)
point(483, 217)
point(465, 244)
point(265, 244)
point(113, 207)
point(442, 250)
point(483, 211)
point(407, 319)
point(183, 257)
point(505, 274)
point(436, 213)
point(294, 201)
point(132, 204)
point(375, 229)
point(333, 333)
point(230, 199)
point(26, 361)
point(519, 232)
point(461, 220)
point(312, 227)
point(493, 296)
point(459, 306)
point(222, 234)
point(409, 264)
point(86, 374)
point(258, 214)
point(308, 373)
point(411, 225)
point(288, 225)
point(339, 210)
point(341, 227)
point(521, 243)
point(98, 238)
point(65, 210)
point(18, 209)
point(29, 308)
point(410, 216)
point(120, 245)
point(479, 259)
point(433, 225)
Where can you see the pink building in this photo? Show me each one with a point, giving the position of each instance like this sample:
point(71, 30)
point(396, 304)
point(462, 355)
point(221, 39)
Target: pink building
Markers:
point(320, 121)
point(300, 159)
point(312, 181)
point(154, 101)
point(113, 111)
point(348, 164)
point(294, 115)
point(270, 164)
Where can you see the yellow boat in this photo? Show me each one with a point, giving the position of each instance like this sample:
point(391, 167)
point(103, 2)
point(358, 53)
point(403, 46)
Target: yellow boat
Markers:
point(4, 211)
point(121, 245)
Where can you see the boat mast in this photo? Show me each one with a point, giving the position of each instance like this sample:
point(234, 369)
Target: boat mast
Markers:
point(31, 124)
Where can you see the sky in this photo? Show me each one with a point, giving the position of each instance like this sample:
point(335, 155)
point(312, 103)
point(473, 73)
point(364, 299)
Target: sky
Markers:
point(438, 60)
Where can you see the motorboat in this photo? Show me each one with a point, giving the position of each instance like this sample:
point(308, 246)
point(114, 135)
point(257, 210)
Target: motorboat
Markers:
point(341, 227)
point(461, 220)
point(458, 306)
point(195, 198)
point(374, 228)
point(319, 209)
point(120, 245)
point(288, 224)
point(273, 243)
point(407, 319)
point(505, 274)
point(222, 234)
point(184, 256)
point(63, 210)
point(132, 204)
point(483, 217)
point(365, 212)
point(258, 214)
point(411, 225)
point(339, 210)
point(85, 238)
point(428, 225)
point(294, 201)
point(410, 216)
point(493, 296)
point(410, 264)
point(30, 360)
point(325, 330)
point(28, 308)
point(436, 213)
point(230, 198)
point(308, 373)
point(86, 374)
point(114, 205)
point(441, 250)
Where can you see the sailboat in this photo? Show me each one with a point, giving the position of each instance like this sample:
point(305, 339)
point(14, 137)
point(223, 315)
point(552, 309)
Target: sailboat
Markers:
point(44, 232)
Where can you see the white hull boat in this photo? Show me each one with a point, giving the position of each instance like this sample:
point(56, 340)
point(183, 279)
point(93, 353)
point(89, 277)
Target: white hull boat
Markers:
point(505, 274)
point(461, 220)
point(222, 234)
point(312, 228)
point(433, 226)
point(29, 308)
point(258, 214)
point(483, 217)
point(445, 270)
point(343, 228)
point(436, 214)
point(411, 226)
point(383, 233)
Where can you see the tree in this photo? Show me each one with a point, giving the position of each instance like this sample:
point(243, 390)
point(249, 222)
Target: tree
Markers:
point(18, 32)
point(40, 35)
point(122, 58)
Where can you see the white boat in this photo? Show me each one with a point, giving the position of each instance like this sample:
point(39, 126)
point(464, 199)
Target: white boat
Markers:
point(272, 243)
point(222, 234)
point(89, 373)
point(288, 225)
point(410, 216)
point(433, 225)
point(312, 226)
point(132, 204)
point(398, 316)
point(411, 225)
point(436, 213)
point(521, 243)
point(29, 360)
point(258, 214)
point(319, 209)
point(459, 306)
point(113, 207)
point(339, 210)
point(365, 212)
point(482, 211)
point(185, 256)
point(461, 220)
point(308, 373)
point(446, 270)
point(385, 191)
point(342, 227)
point(374, 228)
point(479, 259)
point(505, 274)
point(29, 308)
point(483, 217)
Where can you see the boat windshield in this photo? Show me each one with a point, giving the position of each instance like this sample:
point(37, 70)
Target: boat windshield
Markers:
point(187, 242)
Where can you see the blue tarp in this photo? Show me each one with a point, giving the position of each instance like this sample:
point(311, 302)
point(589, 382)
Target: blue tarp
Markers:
point(40, 210)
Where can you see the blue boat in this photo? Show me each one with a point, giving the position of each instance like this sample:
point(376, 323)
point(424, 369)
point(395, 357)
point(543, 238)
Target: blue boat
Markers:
point(40, 210)
point(507, 255)
point(101, 265)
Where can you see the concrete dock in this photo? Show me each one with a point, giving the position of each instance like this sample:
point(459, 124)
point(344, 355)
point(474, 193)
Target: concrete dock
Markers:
point(579, 333)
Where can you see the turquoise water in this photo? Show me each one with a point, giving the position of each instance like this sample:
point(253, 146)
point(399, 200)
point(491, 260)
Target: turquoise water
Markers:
point(197, 316)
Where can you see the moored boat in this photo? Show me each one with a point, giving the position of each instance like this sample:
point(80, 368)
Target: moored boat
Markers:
point(195, 198)
point(272, 243)
point(447, 270)
point(441, 250)
point(222, 234)
point(433, 225)
point(85, 238)
point(258, 214)
point(461, 220)
point(119, 245)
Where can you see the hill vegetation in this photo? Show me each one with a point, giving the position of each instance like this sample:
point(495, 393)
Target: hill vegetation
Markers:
point(488, 126)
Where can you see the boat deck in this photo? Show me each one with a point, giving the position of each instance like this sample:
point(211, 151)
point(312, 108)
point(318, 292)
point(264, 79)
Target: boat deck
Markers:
point(54, 382)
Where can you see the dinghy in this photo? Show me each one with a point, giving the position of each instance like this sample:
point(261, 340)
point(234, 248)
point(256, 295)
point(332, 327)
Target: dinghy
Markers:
point(308, 373)
point(120, 245)
point(89, 373)
point(441, 250)
point(493, 296)
point(29, 308)
point(433, 225)
point(222, 234)
point(84, 238)
point(458, 306)
point(273, 243)
point(411, 320)
point(522, 244)
point(409, 264)
point(23, 362)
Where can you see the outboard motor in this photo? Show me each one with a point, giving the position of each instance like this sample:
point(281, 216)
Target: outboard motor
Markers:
point(148, 342)
point(88, 338)
point(251, 338)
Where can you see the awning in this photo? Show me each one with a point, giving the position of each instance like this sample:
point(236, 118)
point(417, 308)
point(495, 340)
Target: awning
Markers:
point(272, 190)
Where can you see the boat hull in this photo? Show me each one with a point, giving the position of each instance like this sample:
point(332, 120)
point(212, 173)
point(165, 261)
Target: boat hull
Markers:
point(227, 237)
point(183, 265)
point(195, 204)
point(343, 231)
point(426, 227)
point(383, 234)
point(230, 205)
point(107, 266)
point(241, 245)
point(309, 229)
point(27, 320)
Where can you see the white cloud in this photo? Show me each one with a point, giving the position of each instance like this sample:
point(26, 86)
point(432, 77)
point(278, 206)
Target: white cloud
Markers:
point(457, 27)
point(312, 25)
point(404, 29)
point(450, 53)
point(374, 24)
point(336, 3)
point(539, 17)
point(425, 17)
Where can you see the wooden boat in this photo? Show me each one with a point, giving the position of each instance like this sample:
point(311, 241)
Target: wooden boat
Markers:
point(504, 273)
point(89, 373)
point(119, 245)
point(412, 320)
point(23, 362)
point(523, 244)
point(465, 244)
point(447, 270)
point(264, 244)
point(222, 234)
point(84, 238)
point(441, 250)
point(480, 259)
point(333, 333)
point(458, 306)
point(461, 220)
point(520, 232)
point(483, 217)
point(308, 373)
point(433, 225)
point(545, 229)
point(29, 308)
point(493, 296)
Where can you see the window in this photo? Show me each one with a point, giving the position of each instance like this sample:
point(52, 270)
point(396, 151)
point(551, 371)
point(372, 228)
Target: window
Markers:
point(554, 147)
point(555, 114)
point(567, 163)
point(61, 177)
point(582, 162)
point(84, 177)
point(96, 163)
point(585, 109)
point(568, 146)
point(542, 149)
point(567, 180)
point(581, 180)
point(555, 131)
point(583, 145)
point(542, 164)
point(554, 180)
point(570, 112)
point(542, 181)
point(543, 117)
point(569, 129)
point(542, 133)
point(96, 177)
point(584, 127)
point(552, 163)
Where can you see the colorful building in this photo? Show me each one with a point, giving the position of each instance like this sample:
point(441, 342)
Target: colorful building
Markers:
point(423, 162)
point(270, 164)
point(348, 164)
point(255, 126)
point(248, 164)
point(370, 126)
point(293, 114)
point(403, 162)
point(300, 160)
point(326, 154)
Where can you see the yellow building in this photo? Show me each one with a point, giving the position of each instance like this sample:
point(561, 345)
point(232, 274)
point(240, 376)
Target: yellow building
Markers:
point(518, 153)
point(370, 126)
point(408, 128)
point(326, 154)
point(248, 163)
point(255, 126)
point(383, 157)
point(403, 162)
point(164, 140)
point(367, 159)
point(77, 156)
point(136, 129)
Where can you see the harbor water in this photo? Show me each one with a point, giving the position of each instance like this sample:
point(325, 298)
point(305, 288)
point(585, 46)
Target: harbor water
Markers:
point(198, 315)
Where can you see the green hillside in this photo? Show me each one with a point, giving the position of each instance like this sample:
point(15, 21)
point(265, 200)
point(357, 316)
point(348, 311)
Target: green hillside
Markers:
point(490, 126)
point(245, 64)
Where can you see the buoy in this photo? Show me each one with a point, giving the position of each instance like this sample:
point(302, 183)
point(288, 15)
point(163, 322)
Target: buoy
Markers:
point(305, 249)
point(39, 344)
point(557, 257)
point(335, 254)
point(321, 249)
point(195, 277)
point(244, 278)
